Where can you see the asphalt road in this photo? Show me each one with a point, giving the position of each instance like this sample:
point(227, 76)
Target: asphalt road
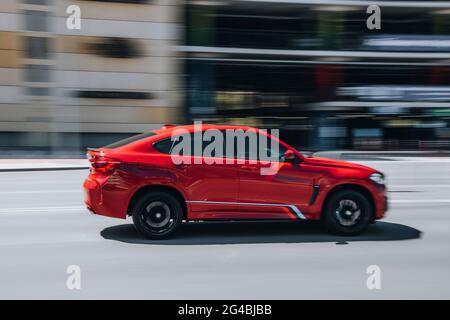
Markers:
point(44, 229)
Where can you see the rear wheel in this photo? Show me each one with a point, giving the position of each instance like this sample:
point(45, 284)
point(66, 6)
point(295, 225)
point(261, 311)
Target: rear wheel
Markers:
point(347, 212)
point(157, 215)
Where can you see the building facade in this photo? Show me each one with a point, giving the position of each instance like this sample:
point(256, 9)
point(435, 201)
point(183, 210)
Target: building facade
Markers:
point(311, 68)
point(62, 90)
point(315, 70)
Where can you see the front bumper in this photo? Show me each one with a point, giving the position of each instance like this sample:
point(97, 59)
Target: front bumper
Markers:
point(381, 202)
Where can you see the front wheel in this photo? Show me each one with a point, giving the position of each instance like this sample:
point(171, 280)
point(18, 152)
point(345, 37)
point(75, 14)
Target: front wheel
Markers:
point(347, 213)
point(157, 215)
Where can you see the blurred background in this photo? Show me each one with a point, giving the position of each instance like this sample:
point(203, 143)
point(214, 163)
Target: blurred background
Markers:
point(309, 68)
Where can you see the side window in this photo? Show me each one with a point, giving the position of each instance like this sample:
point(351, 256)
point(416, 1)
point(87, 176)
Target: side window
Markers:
point(244, 147)
point(164, 146)
point(231, 154)
point(217, 148)
point(196, 140)
point(271, 150)
point(249, 152)
point(251, 149)
point(274, 151)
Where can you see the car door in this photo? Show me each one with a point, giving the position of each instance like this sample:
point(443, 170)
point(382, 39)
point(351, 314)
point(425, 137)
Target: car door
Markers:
point(212, 188)
point(283, 195)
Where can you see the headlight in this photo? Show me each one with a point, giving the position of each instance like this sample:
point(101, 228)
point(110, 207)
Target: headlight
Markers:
point(377, 178)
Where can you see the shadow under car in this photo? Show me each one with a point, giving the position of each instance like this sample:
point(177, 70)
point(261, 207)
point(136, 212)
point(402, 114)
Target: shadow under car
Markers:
point(211, 233)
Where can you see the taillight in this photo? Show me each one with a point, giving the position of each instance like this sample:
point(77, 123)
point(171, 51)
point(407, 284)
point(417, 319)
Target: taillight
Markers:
point(103, 164)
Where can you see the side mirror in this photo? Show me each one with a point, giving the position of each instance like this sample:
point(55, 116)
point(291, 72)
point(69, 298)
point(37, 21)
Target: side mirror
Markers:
point(290, 156)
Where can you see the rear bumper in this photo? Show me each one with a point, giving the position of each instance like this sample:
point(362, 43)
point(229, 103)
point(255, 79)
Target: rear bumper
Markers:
point(95, 191)
point(92, 195)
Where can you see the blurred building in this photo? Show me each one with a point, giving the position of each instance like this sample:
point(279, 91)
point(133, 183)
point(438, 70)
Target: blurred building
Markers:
point(62, 90)
point(314, 70)
point(310, 68)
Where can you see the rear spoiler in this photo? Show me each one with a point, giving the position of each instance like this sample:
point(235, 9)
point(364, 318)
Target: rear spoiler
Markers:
point(167, 126)
point(94, 152)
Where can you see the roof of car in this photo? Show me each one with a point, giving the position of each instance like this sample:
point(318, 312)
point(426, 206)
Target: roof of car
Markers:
point(193, 127)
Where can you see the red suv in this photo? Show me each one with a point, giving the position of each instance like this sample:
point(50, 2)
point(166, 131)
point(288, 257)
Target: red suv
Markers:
point(139, 177)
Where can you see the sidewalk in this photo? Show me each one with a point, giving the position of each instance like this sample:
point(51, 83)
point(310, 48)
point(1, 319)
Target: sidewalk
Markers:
point(382, 155)
point(7, 165)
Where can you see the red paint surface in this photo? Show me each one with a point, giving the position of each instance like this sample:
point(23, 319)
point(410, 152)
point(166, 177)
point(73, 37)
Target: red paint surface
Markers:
point(109, 193)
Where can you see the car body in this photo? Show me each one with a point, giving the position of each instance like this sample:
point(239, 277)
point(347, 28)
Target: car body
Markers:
point(126, 173)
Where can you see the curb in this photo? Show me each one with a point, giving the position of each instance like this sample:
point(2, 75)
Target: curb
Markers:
point(343, 155)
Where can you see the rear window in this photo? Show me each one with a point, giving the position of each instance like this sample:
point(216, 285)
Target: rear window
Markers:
point(129, 140)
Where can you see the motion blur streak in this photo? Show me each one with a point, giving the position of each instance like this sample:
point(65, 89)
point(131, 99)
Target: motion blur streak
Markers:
point(308, 264)
point(312, 69)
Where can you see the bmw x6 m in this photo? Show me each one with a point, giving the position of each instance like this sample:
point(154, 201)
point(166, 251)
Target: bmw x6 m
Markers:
point(139, 177)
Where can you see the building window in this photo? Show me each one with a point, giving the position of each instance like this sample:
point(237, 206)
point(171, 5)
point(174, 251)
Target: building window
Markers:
point(124, 1)
point(112, 95)
point(115, 48)
point(37, 47)
point(38, 2)
point(37, 73)
point(37, 92)
point(36, 20)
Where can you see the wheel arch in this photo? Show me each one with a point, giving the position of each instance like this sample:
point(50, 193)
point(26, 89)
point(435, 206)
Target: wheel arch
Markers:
point(349, 186)
point(153, 188)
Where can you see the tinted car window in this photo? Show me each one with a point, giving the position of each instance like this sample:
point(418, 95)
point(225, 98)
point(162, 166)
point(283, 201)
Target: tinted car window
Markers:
point(166, 145)
point(275, 153)
point(269, 150)
point(163, 146)
point(129, 140)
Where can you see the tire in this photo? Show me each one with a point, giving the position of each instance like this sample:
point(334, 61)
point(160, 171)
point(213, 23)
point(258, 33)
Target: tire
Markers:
point(157, 215)
point(342, 217)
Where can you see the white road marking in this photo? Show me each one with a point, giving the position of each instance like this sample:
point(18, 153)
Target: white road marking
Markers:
point(8, 211)
point(390, 187)
point(56, 210)
point(418, 186)
point(396, 161)
point(420, 201)
point(41, 191)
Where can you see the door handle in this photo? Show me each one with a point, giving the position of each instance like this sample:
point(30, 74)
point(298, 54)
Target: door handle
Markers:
point(249, 168)
point(180, 166)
